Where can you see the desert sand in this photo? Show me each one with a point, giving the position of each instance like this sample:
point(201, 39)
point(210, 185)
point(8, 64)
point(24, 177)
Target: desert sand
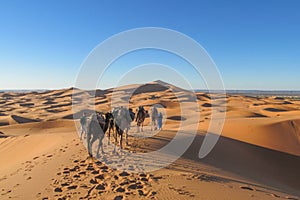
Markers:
point(256, 157)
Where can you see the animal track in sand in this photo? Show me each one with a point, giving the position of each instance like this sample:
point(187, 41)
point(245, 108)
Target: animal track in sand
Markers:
point(15, 172)
point(181, 191)
point(6, 192)
point(292, 198)
point(247, 188)
point(3, 178)
point(92, 179)
point(271, 194)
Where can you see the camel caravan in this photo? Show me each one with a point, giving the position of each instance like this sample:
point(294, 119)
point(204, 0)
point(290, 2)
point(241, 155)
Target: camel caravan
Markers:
point(117, 122)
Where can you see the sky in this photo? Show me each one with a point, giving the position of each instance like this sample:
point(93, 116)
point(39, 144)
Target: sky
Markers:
point(255, 44)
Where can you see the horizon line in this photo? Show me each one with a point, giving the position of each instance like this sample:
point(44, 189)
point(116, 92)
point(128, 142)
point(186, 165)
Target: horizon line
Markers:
point(196, 90)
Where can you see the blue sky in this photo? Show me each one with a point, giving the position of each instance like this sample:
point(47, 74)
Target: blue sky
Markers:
point(255, 44)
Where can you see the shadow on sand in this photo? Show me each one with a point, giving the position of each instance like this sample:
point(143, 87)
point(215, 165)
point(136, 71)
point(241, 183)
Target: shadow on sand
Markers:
point(264, 166)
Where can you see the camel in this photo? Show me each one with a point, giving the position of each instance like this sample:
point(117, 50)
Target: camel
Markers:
point(83, 125)
point(140, 118)
point(109, 125)
point(123, 118)
point(154, 118)
point(94, 132)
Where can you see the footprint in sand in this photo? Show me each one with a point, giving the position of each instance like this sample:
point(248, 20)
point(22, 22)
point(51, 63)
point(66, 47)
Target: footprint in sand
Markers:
point(291, 198)
point(100, 187)
point(66, 172)
point(57, 189)
point(82, 173)
point(120, 189)
point(76, 176)
point(29, 168)
point(93, 181)
point(83, 165)
point(100, 177)
point(246, 188)
point(124, 174)
point(275, 195)
point(181, 191)
point(95, 172)
point(7, 192)
point(91, 177)
point(120, 197)
point(65, 184)
point(135, 186)
point(3, 178)
point(74, 169)
point(73, 187)
point(90, 168)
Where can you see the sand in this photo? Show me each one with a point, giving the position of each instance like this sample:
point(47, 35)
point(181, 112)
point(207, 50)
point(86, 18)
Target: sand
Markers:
point(257, 156)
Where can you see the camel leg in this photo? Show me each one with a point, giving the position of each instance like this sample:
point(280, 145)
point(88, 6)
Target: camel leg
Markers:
point(126, 137)
point(81, 133)
point(137, 128)
point(116, 135)
point(90, 144)
point(88, 138)
point(113, 130)
point(100, 145)
point(121, 140)
point(108, 142)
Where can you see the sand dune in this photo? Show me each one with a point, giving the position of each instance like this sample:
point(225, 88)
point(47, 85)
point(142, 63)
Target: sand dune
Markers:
point(42, 157)
point(21, 120)
point(150, 88)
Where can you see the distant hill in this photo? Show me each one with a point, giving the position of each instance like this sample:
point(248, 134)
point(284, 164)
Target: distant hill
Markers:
point(24, 91)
